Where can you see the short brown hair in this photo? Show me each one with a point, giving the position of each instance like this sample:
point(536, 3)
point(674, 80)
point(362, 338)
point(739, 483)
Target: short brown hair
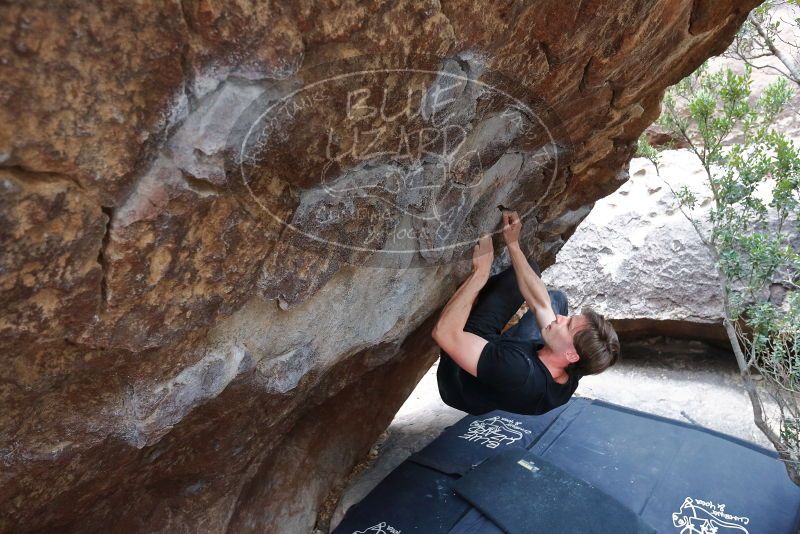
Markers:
point(597, 345)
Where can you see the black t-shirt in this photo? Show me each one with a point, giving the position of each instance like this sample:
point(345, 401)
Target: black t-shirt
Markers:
point(511, 377)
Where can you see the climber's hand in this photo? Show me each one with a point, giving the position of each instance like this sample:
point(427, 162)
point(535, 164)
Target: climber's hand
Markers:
point(512, 227)
point(482, 255)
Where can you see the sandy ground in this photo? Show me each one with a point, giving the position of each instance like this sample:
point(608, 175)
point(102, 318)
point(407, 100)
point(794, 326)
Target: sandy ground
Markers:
point(683, 380)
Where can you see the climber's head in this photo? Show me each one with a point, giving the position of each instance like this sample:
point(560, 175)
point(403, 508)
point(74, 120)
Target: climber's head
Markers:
point(586, 343)
point(596, 344)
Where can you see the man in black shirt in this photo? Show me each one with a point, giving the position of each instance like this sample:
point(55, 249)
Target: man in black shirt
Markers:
point(527, 369)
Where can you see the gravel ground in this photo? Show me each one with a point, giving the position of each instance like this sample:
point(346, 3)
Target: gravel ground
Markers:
point(683, 380)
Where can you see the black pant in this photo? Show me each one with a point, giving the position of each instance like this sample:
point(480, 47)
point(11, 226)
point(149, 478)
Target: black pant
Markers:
point(497, 302)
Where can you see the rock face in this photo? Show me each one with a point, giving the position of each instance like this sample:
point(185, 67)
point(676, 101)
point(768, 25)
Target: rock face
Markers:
point(208, 312)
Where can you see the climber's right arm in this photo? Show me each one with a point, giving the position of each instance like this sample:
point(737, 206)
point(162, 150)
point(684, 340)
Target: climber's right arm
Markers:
point(530, 285)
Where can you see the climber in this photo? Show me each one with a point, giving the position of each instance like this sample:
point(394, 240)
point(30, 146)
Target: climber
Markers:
point(526, 369)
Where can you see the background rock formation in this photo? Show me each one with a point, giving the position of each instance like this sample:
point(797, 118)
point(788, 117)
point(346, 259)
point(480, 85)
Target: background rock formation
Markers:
point(172, 358)
point(639, 261)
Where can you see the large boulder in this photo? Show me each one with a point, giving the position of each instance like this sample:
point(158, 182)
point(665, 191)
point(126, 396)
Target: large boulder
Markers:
point(638, 260)
point(178, 349)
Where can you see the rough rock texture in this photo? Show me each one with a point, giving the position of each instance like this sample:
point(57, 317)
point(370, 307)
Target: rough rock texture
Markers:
point(637, 259)
point(175, 359)
point(658, 137)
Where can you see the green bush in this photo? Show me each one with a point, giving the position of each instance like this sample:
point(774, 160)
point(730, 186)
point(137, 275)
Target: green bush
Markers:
point(748, 230)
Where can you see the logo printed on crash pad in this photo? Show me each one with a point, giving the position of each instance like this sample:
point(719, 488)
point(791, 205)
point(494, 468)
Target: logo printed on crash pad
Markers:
point(495, 431)
point(380, 528)
point(697, 516)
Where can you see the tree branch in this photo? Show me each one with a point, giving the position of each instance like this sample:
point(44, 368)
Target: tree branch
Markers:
point(783, 58)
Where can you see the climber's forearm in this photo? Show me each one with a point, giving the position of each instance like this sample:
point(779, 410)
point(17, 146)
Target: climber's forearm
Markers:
point(530, 285)
point(456, 312)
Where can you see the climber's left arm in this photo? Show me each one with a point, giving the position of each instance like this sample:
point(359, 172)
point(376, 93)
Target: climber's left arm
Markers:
point(465, 347)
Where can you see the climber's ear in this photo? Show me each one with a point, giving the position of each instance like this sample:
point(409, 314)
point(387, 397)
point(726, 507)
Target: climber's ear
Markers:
point(572, 356)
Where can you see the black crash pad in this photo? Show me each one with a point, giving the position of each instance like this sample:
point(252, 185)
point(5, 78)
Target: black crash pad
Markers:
point(523, 493)
point(678, 477)
point(413, 498)
point(473, 439)
point(474, 522)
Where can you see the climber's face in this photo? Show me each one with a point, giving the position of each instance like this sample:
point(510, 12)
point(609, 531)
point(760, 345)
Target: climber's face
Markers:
point(559, 334)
